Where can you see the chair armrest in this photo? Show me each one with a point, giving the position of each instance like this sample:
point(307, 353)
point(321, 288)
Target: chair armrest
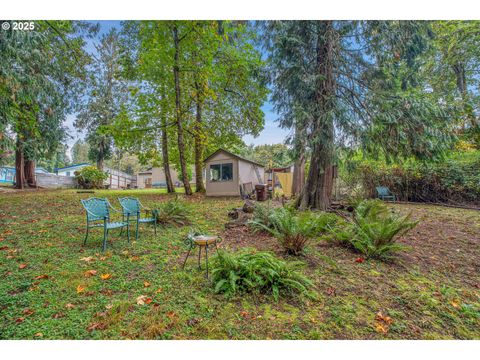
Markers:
point(110, 205)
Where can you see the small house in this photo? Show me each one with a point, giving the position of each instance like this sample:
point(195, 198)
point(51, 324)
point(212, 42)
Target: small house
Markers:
point(155, 177)
point(228, 174)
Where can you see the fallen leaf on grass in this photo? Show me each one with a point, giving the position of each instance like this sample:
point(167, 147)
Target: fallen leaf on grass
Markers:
point(42, 231)
point(141, 300)
point(89, 273)
point(58, 315)
point(80, 289)
point(87, 259)
point(359, 260)
point(386, 319)
point(4, 248)
point(380, 328)
point(331, 291)
point(106, 276)
point(146, 284)
point(108, 307)
point(70, 306)
point(171, 315)
point(20, 320)
point(22, 266)
point(159, 291)
point(28, 311)
point(44, 276)
point(96, 326)
point(39, 334)
point(454, 304)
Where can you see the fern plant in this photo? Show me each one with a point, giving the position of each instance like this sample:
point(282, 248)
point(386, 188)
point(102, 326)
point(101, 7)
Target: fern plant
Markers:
point(261, 216)
point(374, 230)
point(294, 229)
point(262, 272)
point(174, 212)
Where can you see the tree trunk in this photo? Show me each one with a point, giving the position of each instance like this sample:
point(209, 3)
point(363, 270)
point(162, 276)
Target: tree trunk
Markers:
point(317, 192)
point(166, 161)
point(298, 175)
point(459, 70)
point(19, 165)
point(100, 156)
point(178, 113)
point(199, 186)
point(30, 173)
point(299, 165)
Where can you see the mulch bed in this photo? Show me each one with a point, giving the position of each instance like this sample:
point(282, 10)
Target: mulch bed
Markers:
point(440, 243)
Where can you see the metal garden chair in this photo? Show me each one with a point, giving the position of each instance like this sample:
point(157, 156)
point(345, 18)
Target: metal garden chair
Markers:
point(131, 210)
point(384, 193)
point(98, 211)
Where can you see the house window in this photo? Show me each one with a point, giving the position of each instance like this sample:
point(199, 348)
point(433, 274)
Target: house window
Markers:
point(221, 172)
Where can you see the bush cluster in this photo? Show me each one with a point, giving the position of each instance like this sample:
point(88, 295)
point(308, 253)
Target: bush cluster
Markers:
point(90, 177)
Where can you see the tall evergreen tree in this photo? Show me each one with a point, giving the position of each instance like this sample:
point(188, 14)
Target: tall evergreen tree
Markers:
point(40, 70)
point(352, 83)
point(106, 92)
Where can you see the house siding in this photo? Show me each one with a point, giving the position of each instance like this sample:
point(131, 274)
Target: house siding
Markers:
point(222, 188)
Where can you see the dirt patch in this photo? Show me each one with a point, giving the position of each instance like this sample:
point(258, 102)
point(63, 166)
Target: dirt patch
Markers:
point(239, 237)
point(446, 241)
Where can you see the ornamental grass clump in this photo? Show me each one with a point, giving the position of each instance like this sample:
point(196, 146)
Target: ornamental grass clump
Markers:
point(262, 272)
point(174, 212)
point(374, 230)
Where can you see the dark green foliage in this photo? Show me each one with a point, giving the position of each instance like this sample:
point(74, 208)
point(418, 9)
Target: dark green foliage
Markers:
point(454, 179)
point(293, 229)
point(257, 272)
point(174, 212)
point(374, 230)
point(90, 178)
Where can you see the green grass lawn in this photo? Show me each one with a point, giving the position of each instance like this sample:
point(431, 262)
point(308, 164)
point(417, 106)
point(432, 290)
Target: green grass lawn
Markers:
point(429, 292)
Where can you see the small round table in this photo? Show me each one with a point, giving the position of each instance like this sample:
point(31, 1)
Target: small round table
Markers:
point(201, 241)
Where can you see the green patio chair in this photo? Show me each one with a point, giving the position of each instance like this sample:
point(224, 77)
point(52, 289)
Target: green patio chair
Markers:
point(98, 215)
point(132, 208)
point(384, 193)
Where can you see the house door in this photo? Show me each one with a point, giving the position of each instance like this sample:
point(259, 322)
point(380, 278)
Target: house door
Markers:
point(148, 183)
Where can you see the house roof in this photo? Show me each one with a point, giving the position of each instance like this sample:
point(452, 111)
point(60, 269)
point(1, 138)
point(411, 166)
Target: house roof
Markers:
point(232, 154)
point(71, 166)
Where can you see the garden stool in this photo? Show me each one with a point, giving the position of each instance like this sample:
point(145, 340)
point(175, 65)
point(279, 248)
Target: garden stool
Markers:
point(200, 241)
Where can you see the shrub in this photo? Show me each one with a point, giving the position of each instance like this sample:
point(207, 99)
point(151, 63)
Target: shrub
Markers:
point(374, 230)
point(257, 272)
point(453, 179)
point(90, 177)
point(294, 229)
point(174, 212)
